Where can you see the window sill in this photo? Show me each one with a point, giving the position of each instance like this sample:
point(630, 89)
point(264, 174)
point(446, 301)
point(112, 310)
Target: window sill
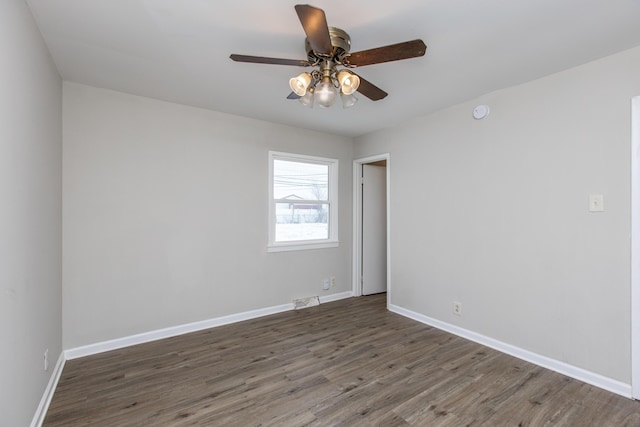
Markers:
point(298, 246)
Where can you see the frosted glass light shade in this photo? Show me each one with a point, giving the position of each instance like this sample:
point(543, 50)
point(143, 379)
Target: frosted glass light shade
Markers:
point(348, 100)
point(349, 82)
point(299, 84)
point(307, 98)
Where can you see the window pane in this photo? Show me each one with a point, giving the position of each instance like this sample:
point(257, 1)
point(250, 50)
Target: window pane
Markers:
point(300, 181)
point(303, 210)
point(301, 221)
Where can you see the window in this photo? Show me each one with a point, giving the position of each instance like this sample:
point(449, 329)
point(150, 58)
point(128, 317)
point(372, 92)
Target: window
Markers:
point(303, 202)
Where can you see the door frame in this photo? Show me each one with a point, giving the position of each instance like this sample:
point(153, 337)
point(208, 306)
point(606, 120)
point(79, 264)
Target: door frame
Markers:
point(357, 222)
point(635, 247)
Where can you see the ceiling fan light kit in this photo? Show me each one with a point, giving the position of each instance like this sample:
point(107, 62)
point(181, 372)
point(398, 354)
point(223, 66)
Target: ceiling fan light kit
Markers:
point(328, 49)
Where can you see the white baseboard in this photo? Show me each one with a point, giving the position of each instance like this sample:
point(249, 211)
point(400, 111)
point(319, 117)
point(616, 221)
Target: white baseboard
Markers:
point(580, 374)
point(173, 331)
point(41, 411)
point(335, 297)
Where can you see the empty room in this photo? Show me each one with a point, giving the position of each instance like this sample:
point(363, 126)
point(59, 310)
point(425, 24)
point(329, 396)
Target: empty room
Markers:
point(244, 213)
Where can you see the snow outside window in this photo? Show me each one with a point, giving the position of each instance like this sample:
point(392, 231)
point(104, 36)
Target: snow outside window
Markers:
point(303, 202)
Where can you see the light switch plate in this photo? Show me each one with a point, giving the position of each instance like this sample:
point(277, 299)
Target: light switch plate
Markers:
point(596, 203)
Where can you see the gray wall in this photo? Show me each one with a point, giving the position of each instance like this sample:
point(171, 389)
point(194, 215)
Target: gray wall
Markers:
point(165, 216)
point(30, 214)
point(493, 214)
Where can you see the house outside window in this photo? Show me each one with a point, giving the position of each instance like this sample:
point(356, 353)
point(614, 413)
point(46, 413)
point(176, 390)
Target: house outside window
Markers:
point(303, 202)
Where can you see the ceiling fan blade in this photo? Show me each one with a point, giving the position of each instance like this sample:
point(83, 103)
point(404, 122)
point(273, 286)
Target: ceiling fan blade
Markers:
point(314, 23)
point(293, 95)
point(394, 52)
point(263, 60)
point(370, 90)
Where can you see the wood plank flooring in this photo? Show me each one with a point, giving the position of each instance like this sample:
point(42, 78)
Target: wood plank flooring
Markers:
point(346, 363)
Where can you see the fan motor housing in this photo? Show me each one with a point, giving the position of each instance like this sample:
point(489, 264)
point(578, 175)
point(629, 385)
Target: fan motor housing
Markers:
point(340, 41)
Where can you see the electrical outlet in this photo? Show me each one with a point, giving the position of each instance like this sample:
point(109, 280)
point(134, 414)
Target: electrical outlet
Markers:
point(333, 281)
point(457, 308)
point(325, 284)
point(46, 360)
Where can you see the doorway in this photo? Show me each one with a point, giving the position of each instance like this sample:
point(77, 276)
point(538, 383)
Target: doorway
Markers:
point(371, 246)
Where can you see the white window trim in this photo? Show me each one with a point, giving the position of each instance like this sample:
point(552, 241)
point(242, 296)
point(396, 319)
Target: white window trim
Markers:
point(332, 241)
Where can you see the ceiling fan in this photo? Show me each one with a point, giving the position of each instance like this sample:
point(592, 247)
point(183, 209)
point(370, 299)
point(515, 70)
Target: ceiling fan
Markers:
point(328, 49)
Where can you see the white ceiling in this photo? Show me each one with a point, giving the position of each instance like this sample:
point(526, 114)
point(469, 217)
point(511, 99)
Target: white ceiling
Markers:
point(178, 50)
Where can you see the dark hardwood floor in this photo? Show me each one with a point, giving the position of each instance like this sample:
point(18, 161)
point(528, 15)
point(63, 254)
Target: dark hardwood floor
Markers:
point(346, 363)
